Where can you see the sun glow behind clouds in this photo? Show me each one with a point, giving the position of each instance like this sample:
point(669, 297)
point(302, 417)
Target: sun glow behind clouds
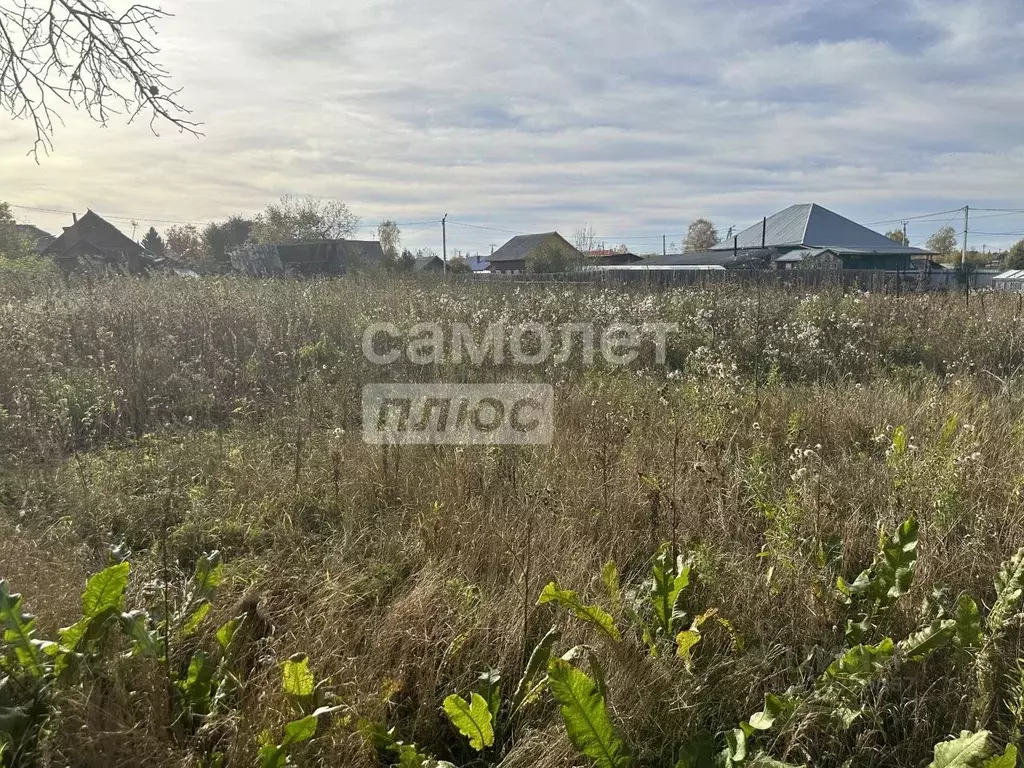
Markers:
point(540, 114)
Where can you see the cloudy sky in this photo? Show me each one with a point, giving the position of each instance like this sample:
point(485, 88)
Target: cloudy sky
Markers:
point(530, 115)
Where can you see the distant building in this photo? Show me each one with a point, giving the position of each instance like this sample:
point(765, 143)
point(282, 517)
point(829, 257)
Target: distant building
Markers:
point(428, 264)
point(38, 239)
point(92, 243)
point(1011, 280)
point(810, 236)
point(606, 257)
point(320, 257)
point(520, 251)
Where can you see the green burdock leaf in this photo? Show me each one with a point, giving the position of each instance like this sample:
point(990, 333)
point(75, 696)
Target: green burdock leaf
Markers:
point(928, 639)
point(105, 590)
point(586, 718)
point(196, 619)
point(688, 638)
point(209, 574)
point(296, 677)
point(774, 708)
point(969, 631)
point(19, 632)
point(848, 675)
point(472, 718)
point(226, 633)
point(969, 750)
point(1006, 760)
point(610, 579)
point(669, 579)
point(135, 624)
point(535, 675)
point(592, 614)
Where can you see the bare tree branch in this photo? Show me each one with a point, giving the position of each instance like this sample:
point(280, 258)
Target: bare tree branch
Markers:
point(80, 53)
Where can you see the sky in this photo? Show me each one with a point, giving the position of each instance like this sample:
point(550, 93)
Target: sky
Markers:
point(633, 116)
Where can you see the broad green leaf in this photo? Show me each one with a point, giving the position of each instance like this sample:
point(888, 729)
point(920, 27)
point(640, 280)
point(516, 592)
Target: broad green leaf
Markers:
point(226, 633)
point(148, 643)
point(19, 631)
point(196, 686)
point(472, 718)
point(969, 632)
point(489, 686)
point(105, 590)
point(901, 557)
point(774, 708)
point(273, 756)
point(688, 638)
point(1006, 760)
point(928, 639)
point(535, 674)
point(586, 718)
point(610, 579)
point(848, 675)
point(669, 579)
point(296, 677)
point(685, 641)
point(736, 739)
point(302, 729)
point(209, 574)
point(196, 619)
point(966, 751)
point(592, 614)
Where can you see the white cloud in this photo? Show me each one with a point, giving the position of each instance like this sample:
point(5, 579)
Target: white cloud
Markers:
point(539, 114)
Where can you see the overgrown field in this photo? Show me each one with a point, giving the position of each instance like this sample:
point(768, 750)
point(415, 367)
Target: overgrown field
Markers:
point(794, 543)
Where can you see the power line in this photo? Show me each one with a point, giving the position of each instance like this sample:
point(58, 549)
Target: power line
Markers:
point(901, 219)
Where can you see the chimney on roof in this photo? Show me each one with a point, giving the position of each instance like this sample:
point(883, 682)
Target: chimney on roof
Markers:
point(74, 217)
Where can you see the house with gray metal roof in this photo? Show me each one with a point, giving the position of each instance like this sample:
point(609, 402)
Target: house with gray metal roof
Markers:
point(517, 254)
point(811, 227)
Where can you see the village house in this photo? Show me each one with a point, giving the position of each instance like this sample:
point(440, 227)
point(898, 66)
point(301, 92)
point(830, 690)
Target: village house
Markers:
point(93, 243)
point(519, 253)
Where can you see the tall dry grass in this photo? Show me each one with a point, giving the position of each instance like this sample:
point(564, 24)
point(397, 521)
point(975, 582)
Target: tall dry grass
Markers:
point(224, 414)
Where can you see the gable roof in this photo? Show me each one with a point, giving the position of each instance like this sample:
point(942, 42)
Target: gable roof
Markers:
point(520, 246)
point(423, 263)
point(93, 230)
point(809, 225)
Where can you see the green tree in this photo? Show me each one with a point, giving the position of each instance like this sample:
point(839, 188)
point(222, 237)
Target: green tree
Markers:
point(550, 259)
point(222, 238)
point(306, 219)
point(153, 243)
point(459, 266)
point(390, 237)
point(1015, 256)
point(406, 261)
point(13, 245)
point(943, 242)
point(184, 243)
point(896, 235)
point(701, 235)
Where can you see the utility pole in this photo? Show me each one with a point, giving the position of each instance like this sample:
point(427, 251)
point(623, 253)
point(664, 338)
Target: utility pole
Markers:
point(906, 242)
point(963, 256)
point(444, 244)
point(664, 248)
point(963, 252)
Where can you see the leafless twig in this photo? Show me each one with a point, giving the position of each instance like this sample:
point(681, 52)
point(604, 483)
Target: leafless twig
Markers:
point(83, 54)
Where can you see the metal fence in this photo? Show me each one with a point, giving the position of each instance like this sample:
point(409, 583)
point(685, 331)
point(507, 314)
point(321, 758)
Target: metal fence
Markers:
point(882, 281)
